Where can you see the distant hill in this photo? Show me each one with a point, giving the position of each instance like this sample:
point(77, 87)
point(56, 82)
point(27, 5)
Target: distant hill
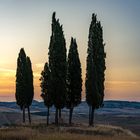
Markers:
point(110, 107)
point(119, 113)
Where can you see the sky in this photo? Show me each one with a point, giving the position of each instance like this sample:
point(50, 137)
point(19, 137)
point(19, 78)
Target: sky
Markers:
point(27, 24)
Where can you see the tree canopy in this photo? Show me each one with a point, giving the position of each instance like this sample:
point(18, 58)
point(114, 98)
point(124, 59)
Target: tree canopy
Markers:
point(95, 66)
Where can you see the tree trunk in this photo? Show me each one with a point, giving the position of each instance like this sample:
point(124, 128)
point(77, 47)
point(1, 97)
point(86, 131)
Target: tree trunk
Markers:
point(29, 115)
point(89, 115)
point(70, 116)
point(59, 113)
point(92, 116)
point(56, 116)
point(23, 114)
point(48, 114)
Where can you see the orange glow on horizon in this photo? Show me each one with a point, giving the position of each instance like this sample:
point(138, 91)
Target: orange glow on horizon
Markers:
point(113, 89)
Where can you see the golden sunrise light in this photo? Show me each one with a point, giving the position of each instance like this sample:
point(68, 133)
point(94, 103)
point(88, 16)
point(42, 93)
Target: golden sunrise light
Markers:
point(27, 24)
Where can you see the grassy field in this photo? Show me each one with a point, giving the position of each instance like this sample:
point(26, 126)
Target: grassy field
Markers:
point(41, 132)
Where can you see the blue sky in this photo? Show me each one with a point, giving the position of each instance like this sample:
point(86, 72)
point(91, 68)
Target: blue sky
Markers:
point(27, 23)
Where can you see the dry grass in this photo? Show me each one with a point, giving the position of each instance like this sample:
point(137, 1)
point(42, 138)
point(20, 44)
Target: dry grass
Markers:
point(19, 133)
point(64, 133)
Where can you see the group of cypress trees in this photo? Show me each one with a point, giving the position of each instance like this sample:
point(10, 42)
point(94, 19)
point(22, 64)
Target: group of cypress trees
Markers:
point(61, 81)
point(61, 78)
point(58, 67)
point(95, 75)
point(24, 83)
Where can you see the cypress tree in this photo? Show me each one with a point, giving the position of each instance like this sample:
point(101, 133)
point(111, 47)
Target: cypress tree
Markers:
point(21, 81)
point(30, 87)
point(58, 66)
point(95, 68)
point(46, 89)
point(101, 62)
point(24, 83)
point(74, 78)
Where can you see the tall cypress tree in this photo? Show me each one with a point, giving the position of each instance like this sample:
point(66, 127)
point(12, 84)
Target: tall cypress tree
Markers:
point(101, 62)
point(21, 81)
point(58, 66)
point(95, 68)
point(30, 87)
point(74, 78)
point(24, 83)
point(46, 89)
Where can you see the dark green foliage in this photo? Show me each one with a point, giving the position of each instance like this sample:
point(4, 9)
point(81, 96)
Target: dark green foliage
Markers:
point(57, 64)
point(101, 63)
point(74, 78)
point(46, 88)
point(24, 83)
point(21, 80)
point(30, 87)
point(95, 67)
